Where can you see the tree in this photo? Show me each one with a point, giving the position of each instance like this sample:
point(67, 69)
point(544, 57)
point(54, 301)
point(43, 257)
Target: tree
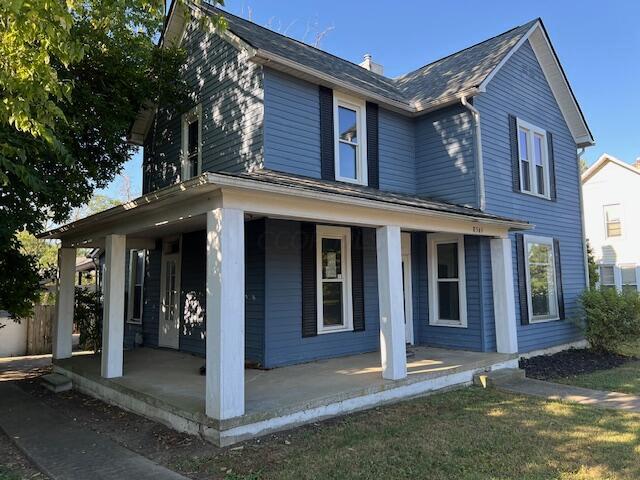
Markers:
point(594, 275)
point(73, 76)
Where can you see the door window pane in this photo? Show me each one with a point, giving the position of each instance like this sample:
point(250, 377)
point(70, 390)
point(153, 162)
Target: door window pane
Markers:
point(332, 304)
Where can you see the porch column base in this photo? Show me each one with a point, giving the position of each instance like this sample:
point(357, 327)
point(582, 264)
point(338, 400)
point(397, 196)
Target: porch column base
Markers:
point(63, 326)
point(391, 300)
point(225, 314)
point(113, 317)
point(504, 305)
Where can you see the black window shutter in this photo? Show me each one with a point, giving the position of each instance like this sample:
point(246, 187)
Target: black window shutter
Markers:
point(556, 255)
point(522, 280)
point(372, 145)
point(552, 168)
point(309, 305)
point(327, 152)
point(515, 158)
point(357, 279)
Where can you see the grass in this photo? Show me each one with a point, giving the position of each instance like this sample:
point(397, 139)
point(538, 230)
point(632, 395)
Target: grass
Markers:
point(624, 379)
point(467, 434)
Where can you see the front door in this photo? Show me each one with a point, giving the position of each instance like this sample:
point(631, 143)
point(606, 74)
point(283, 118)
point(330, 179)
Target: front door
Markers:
point(406, 287)
point(168, 335)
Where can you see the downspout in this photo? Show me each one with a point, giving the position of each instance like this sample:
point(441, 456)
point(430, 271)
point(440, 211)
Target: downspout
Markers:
point(584, 233)
point(478, 146)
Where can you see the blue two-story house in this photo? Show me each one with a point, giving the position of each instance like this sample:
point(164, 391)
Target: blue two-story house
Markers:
point(307, 208)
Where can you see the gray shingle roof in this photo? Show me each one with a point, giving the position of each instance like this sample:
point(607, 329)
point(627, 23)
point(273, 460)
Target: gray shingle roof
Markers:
point(427, 86)
point(357, 191)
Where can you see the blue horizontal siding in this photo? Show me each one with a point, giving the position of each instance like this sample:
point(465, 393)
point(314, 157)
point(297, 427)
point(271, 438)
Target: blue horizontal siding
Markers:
point(396, 146)
point(283, 325)
point(291, 125)
point(445, 167)
point(193, 276)
point(529, 97)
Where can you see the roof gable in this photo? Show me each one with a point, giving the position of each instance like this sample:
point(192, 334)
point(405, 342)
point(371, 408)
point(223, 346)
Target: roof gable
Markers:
point(602, 162)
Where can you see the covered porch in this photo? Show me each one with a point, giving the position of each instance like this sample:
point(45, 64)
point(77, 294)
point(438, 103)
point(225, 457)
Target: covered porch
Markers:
point(221, 205)
point(166, 386)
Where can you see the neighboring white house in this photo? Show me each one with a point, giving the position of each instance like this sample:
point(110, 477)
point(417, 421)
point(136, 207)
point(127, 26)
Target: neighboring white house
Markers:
point(611, 190)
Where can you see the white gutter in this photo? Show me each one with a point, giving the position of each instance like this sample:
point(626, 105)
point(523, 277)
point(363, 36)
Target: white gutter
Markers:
point(479, 162)
point(584, 233)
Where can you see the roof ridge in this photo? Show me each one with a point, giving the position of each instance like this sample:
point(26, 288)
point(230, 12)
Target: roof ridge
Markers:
point(531, 22)
point(300, 42)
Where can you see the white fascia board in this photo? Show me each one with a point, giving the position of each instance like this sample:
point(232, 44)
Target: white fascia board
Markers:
point(556, 79)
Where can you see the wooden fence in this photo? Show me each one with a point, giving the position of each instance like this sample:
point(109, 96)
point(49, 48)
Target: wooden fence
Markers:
point(39, 330)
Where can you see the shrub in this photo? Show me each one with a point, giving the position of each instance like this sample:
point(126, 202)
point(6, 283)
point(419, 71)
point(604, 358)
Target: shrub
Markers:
point(611, 319)
point(88, 318)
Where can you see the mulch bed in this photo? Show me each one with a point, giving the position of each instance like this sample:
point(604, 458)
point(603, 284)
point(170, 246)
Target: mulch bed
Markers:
point(571, 362)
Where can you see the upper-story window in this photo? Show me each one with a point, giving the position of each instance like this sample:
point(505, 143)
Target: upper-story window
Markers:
point(350, 140)
point(612, 220)
point(534, 161)
point(191, 162)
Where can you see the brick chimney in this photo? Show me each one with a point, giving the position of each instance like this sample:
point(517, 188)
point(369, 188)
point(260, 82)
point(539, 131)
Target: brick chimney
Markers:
point(370, 65)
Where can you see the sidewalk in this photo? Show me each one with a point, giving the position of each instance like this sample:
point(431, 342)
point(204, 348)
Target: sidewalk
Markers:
point(63, 450)
point(583, 396)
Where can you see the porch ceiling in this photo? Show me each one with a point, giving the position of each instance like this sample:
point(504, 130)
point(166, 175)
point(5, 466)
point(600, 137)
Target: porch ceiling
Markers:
point(182, 208)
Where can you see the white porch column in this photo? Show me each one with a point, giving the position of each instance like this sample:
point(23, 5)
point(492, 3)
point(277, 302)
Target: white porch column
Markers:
point(225, 314)
point(504, 304)
point(63, 326)
point(113, 317)
point(391, 300)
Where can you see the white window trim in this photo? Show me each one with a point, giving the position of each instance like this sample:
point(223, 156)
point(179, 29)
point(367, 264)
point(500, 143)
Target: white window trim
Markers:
point(600, 284)
point(344, 234)
point(187, 118)
point(361, 158)
point(432, 268)
point(533, 178)
point(613, 238)
point(546, 241)
point(131, 293)
point(630, 266)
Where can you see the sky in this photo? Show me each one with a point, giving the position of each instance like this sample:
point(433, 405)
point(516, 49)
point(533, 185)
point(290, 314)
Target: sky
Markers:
point(598, 44)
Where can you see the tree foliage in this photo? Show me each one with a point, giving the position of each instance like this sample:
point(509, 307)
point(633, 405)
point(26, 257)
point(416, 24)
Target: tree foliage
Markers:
point(594, 274)
point(73, 77)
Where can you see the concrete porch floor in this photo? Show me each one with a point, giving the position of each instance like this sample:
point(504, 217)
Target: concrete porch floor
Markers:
point(170, 381)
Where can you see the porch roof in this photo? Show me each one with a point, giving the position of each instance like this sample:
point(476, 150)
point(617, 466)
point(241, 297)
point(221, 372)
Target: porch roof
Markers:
point(191, 198)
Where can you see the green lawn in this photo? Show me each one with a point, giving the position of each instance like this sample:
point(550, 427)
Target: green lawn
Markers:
point(624, 379)
point(464, 434)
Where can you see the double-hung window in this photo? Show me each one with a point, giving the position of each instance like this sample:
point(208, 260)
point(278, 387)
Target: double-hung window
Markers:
point(607, 277)
point(136, 285)
point(534, 161)
point(350, 139)
point(447, 284)
point(333, 263)
point(541, 279)
point(191, 161)
point(612, 220)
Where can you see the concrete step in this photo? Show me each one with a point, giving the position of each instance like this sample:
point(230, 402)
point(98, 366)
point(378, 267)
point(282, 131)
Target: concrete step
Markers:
point(498, 377)
point(56, 383)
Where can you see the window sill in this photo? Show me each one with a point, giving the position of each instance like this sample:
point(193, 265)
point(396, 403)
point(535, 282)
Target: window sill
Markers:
point(351, 181)
point(543, 320)
point(447, 323)
point(535, 195)
point(134, 322)
point(326, 331)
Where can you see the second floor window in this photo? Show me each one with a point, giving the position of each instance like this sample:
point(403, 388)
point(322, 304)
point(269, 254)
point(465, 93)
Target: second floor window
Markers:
point(612, 220)
point(534, 162)
point(191, 162)
point(350, 140)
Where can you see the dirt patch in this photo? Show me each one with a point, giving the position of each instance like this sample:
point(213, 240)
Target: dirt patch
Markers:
point(571, 362)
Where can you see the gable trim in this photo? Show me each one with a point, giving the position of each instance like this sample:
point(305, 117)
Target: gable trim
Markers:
point(602, 161)
point(556, 78)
